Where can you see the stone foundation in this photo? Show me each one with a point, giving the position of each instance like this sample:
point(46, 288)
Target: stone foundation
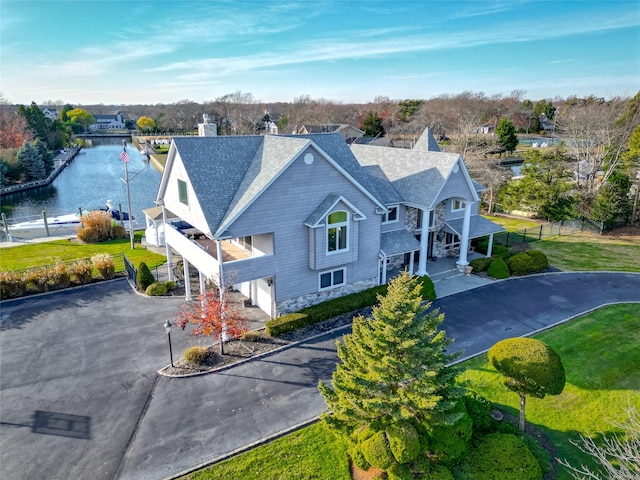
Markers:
point(299, 303)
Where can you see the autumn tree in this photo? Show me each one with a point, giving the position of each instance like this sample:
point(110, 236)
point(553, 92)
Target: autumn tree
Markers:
point(81, 117)
point(212, 316)
point(529, 367)
point(13, 128)
point(393, 389)
point(146, 124)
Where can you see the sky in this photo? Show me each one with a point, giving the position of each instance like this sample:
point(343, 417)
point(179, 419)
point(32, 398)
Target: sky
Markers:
point(121, 52)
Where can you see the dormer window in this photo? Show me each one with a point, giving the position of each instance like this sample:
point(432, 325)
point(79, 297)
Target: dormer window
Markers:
point(391, 216)
point(337, 232)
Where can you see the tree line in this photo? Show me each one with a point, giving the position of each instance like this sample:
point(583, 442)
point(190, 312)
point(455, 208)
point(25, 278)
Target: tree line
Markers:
point(594, 169)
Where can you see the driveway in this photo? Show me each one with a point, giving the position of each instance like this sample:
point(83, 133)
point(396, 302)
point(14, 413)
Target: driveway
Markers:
point(92, 353)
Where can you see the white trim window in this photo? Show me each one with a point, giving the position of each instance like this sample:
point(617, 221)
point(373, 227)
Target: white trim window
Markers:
point(332, 279)
point(391, 216)
point(182, 192)
point(337, 232)
point(458, 205)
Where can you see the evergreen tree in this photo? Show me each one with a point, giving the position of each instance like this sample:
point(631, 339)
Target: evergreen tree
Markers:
point(394, 381)
point(36, 121)
point(30, 162)
point(372, 125)
point(544, 187)
point(45, 155)
point(507, 137)
point(612, 202)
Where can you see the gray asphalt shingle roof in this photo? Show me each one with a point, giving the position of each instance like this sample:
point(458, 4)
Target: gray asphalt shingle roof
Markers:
point(416, 175)
point(397, 242)
point(478, 226)
point(228, 173)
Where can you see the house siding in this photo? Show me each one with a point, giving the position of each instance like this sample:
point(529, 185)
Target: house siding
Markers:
point(283, 209)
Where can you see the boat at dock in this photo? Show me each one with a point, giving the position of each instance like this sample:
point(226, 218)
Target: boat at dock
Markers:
point(66, 224)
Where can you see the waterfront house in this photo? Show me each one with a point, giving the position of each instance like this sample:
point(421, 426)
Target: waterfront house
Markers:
point(108, 122)
point(292, 220)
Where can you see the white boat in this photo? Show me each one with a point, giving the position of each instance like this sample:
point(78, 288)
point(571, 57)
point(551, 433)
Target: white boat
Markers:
point(60, 224)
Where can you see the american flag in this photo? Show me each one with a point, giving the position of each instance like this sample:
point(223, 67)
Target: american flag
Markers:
point(124, 156)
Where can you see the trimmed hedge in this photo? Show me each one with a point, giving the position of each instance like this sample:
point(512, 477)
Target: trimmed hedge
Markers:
point(156, 289)
point(531, 261)
point(498, 269)
point(196, 354)
point(337, 306)
point(481, 264)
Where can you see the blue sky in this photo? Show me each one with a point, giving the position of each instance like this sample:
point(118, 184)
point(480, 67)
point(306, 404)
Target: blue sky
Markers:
point(126, 52)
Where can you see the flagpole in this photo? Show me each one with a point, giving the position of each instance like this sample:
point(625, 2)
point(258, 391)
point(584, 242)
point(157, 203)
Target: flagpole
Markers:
point(126, 175)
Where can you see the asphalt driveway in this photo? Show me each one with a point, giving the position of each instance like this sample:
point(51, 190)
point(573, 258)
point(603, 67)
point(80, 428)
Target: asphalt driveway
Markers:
point(80, 397)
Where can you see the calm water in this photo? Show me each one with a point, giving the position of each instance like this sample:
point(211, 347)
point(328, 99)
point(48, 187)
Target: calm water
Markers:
point(91, 179)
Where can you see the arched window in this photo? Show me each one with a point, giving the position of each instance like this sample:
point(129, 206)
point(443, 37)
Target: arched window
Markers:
point(337, 231)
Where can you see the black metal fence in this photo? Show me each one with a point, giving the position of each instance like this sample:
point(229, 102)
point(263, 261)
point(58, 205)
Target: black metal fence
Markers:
point(547, 230)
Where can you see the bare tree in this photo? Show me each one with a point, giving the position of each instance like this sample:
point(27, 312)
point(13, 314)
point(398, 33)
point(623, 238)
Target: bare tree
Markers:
point(595, 139)
point(618, 456)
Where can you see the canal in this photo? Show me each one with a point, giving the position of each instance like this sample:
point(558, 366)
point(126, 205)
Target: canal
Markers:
point(92, 178)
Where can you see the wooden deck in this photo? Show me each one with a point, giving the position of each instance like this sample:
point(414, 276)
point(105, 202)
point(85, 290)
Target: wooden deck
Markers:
point(230, 252)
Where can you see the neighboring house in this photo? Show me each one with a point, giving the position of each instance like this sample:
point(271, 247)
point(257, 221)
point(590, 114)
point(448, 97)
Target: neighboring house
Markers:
point(50, 113)
point(487, 128)
point(108, 122)
point(546, 125)
point(292, 220)
point(348, 132)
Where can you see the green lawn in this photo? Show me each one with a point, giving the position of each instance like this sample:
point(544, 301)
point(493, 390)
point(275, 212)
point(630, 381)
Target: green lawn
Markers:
point(513, 224)
point(310, 453)
point(601, 357)
point(580, 252)
point(34, 255)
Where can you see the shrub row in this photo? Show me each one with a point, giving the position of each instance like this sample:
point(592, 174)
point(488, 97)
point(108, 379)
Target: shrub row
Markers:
point(503, 264)
point(56, 277)
point(337, 306)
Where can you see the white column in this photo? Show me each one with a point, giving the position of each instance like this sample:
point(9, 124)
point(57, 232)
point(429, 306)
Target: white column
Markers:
point(187, 283)
point(384, 269)
point(411, 262)
point(201, 280)
point(490, 246)
point(464, 241)
point(167, 246)
point(424, 243)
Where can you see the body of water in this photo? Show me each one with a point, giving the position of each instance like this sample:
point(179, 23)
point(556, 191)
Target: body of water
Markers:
point(91, 179)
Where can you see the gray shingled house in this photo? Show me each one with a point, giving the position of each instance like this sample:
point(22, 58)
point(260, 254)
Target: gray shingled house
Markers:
point(292, 220)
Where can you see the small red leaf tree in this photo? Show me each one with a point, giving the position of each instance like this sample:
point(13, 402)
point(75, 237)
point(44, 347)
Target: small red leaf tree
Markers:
point(214, 317)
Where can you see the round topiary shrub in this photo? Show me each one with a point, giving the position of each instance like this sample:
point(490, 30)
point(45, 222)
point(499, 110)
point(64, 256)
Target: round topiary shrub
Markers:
point(196, 354)
point(501, 456)
point(156, 289)
point(539, 260)
point(498, 269)
point(520, 263)
point(376, 451)
point(170, 284)
point(403, 442)
point(144, 277)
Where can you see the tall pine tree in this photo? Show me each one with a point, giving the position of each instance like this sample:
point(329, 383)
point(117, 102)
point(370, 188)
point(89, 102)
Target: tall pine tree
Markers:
point(393, 378)
point(31, 162)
